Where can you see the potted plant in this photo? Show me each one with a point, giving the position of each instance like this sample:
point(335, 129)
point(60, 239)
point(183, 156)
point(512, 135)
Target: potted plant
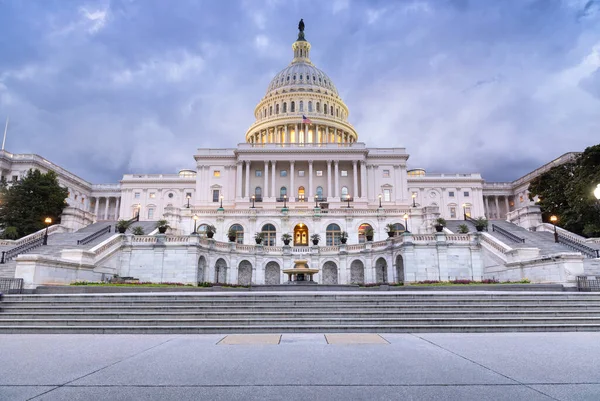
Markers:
point(481, 223)
point(162, 226)
point(286, 238)
point(315, 239)
point(343, 237)
point(210, 230)
point(137, 230)
point(232, 235)
point(390, 229)
point(122, 226)
point(369, 232)
point(258, 237)
point(440, 223)
point(463, 229)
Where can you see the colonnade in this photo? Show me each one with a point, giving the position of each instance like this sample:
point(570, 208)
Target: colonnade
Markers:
point(110, 207)
point(301, 133)
point(495, 207)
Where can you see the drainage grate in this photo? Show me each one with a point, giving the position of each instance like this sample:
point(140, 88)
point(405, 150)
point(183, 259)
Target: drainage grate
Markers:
point(588, 283)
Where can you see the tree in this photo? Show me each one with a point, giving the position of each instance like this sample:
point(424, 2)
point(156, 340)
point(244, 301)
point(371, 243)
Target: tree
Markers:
point(567, 192)
point(26, 203)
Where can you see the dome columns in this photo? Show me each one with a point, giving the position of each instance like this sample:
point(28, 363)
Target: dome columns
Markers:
point(301, 134)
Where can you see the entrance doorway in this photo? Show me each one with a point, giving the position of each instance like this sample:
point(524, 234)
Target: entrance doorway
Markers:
point(301, 235)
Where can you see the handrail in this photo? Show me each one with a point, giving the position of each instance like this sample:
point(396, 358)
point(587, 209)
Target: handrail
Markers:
point(507, 234)
point(584, 249)
point(93, 236)
point(11, 253)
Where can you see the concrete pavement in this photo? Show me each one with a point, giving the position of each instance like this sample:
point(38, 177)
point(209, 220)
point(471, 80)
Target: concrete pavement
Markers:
point(487, 366)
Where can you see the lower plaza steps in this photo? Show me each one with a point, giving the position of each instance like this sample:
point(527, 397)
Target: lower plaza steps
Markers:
point(286, 312)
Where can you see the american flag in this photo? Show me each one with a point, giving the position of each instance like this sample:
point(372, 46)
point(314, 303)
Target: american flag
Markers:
point(306, 120)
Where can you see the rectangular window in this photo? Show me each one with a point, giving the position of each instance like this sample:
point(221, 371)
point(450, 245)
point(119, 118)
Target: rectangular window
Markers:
point(466, 193)
point(283, 173)
point(215, 195)
point(217, 173)
point(451, 194)
point(468, 211)
point(344, 173)
point(319, 173)
point(152, 195)
point(150, 214)
point(258, 173)
point(386, 173)
point(452, 212)
point(387, 195)
point(300, 173)
point(136, 195)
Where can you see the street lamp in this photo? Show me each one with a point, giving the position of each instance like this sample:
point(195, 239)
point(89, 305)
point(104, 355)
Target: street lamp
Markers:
point(414, 195)
point(406, 223)
point(195, 221)
point(348, 199)
point(316, 205)
point(285, 201)
point(464, 205)
point(253, 198)
point(380, 201)
point(188, 198)
point(48, 221)
point(554, 219)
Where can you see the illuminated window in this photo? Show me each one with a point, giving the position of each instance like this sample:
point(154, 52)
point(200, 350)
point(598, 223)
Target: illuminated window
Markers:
point(152, 195)
point(362, 238)
point(344, 192)
point(344, 173)
point(386, 173)
point(217, 173)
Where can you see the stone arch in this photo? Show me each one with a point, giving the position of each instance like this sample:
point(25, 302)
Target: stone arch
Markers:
point(272, 273)
point(201, 269)
point(380, 270)
point(330, 273)
point(245, 273)
point(357, 272)
point(399, 269)
point(220, 271)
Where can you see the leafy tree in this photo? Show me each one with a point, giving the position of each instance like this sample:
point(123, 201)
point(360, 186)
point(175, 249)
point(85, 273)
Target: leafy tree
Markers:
point(567, 192)
point(26, 203)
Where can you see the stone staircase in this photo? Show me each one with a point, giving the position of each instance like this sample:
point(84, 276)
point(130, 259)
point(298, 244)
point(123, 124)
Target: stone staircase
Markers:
point(285, 312)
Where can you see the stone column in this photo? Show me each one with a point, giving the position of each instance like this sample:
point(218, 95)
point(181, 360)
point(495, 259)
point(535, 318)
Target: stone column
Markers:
point(274, 165)
point(398, 183)
point(336, 178)
point(287, 138)
point(247, 194)
point(506, 204)
point(106, 208)
point(329, 193)
point(292, 191)
point(363, 180)
point(238, 184)
point(497, 207)
point(305, 133)
point(371, 180)
point(355, 178)
point(310, 181)
point(96, 203)
point(265, 193)
point(297, 133)
point(325, 133)
point(117, 208)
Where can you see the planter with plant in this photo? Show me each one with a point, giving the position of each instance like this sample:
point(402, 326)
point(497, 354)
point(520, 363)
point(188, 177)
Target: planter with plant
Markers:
point(232, 235)
point(258, 237)
point(481, 223)
point(463, 229)
point(439, 225)
point(315, 238)
point(162, 226)
point(210, 231)
point(343, 237)
point(390, 229)
point(286, 238)
point(122, 226)
point(137, 230)
point(369, 232)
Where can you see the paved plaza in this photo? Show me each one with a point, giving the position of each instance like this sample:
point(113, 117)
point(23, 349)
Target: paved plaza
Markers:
point(495, 366)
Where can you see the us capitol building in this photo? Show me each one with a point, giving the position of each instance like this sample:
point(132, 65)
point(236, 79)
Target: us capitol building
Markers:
point(302, 170)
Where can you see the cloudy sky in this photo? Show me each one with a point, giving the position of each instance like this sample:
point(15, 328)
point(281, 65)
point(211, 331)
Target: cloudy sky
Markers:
point(105, 88)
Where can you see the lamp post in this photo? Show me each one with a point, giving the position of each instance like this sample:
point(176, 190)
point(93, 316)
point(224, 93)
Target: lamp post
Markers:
point(285, 201)
point(380, 201)
point(316, 205)
point(48, 221)
point(554, 219)
point(464, 205)
point(414, 195)
point(597, 192)
point(253, 198)
point(406, 222)
point(195, 218)
point(188, 198)
point(348, 199)
point(221, 199)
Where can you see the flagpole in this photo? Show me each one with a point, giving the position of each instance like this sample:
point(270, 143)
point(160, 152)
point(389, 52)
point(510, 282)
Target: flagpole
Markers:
point(5, 130)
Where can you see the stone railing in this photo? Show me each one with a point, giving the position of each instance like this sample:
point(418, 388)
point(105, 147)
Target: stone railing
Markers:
point(499, 248)
point(144, 238)
point(56, 228)
point(423, 237)
point(184, 239)
point(458, 238)
point(298, 212)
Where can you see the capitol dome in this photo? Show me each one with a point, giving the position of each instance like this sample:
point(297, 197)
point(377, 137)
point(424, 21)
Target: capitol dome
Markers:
point(301, 106)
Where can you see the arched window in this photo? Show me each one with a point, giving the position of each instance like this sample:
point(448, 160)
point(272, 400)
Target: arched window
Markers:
point(292, 107)
point(201, 231)
point(324, 108)
point(284, 107)
point(301, 194)
point(277, 109)
point(301, 105)
point(362, 238)
point(337, 112)
point(270, 110)
point(282, 192)
point(398, 229)
point(332, 234)
point(319, 192)
point(269, 234)
point(318, 107)
point(344, 192)
point(239, 233)
point(331, 108)
point(310, 106)
point(258, 193)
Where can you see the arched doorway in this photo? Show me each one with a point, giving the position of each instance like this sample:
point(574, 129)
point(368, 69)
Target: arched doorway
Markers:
point(220, 271)
point(245, 273)
point(357, 272)
point(301, 194)
point(380, 270)
point(272, 273)
point(201, 269)
point(362, 230)
point(300, 235)
point(330, 273)
point(400, 269)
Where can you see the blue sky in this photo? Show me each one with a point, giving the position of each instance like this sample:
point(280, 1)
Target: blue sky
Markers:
point(105, 88)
